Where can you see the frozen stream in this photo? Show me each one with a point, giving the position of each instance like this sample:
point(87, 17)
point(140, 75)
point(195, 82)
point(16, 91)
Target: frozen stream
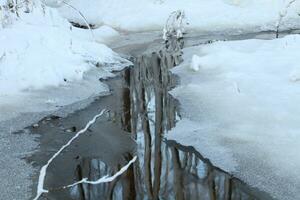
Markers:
point(141, 112)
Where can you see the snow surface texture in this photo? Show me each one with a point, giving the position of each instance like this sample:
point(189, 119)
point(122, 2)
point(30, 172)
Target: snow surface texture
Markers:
point(240, 109)
point(40, 52)
point(228, 16)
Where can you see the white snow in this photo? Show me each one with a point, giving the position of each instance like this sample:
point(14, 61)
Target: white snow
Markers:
point(39, 53)
point(43, 54)
point(226, 16)
point(241, 110)
point(195, 65)
point(105, 34)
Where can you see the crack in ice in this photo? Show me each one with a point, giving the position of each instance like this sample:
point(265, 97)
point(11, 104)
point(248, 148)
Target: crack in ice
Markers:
point(40, 188)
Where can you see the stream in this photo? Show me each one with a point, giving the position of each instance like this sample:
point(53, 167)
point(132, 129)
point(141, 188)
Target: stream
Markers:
point(141, 112)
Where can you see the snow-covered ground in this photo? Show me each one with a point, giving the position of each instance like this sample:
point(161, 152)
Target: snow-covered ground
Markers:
point(228, 16)
point(40, 52)
point(240, 108)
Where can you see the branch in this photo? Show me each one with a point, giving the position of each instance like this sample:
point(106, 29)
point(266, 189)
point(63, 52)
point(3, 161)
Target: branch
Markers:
point(83, 17)
point(104, 179)
point(59, 4)
point(282, 14)
point(3, 56)
point(43, 171)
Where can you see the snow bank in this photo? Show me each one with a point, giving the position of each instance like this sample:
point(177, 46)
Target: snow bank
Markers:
point(213, 15)
point(241, 110)
point(40, 52)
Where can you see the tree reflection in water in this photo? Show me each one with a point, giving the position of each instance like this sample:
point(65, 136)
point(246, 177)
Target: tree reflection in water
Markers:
point(164, 169)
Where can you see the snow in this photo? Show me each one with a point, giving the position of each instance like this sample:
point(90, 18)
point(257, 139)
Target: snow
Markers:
point(241, 110)
point(103, 34)
point(227, 16)
point(195, 65)
point(40, 53)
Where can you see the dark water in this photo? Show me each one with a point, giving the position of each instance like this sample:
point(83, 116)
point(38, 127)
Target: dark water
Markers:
point(141, 113)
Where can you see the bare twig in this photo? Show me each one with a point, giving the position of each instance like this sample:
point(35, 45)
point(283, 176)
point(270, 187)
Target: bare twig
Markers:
point(174, 25)
point(83, 17)
point(64, 2)
point(40, 188)
point(282, 14)
point(104, 179)
point(3, 56)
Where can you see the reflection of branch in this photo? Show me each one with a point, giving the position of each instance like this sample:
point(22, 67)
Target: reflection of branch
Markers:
point(104, 179)
point(282, 14)
point(178, 179)
point(42, 176)
point(147, 141)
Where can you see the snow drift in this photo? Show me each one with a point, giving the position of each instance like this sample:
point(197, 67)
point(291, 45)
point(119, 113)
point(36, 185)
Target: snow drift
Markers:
point(241, 110)
point(226, 16)
point(45, 63)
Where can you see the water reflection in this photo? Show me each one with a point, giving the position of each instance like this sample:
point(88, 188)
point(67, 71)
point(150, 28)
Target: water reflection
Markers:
point(147, 111)
point(141, 106)
point(164, 170)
